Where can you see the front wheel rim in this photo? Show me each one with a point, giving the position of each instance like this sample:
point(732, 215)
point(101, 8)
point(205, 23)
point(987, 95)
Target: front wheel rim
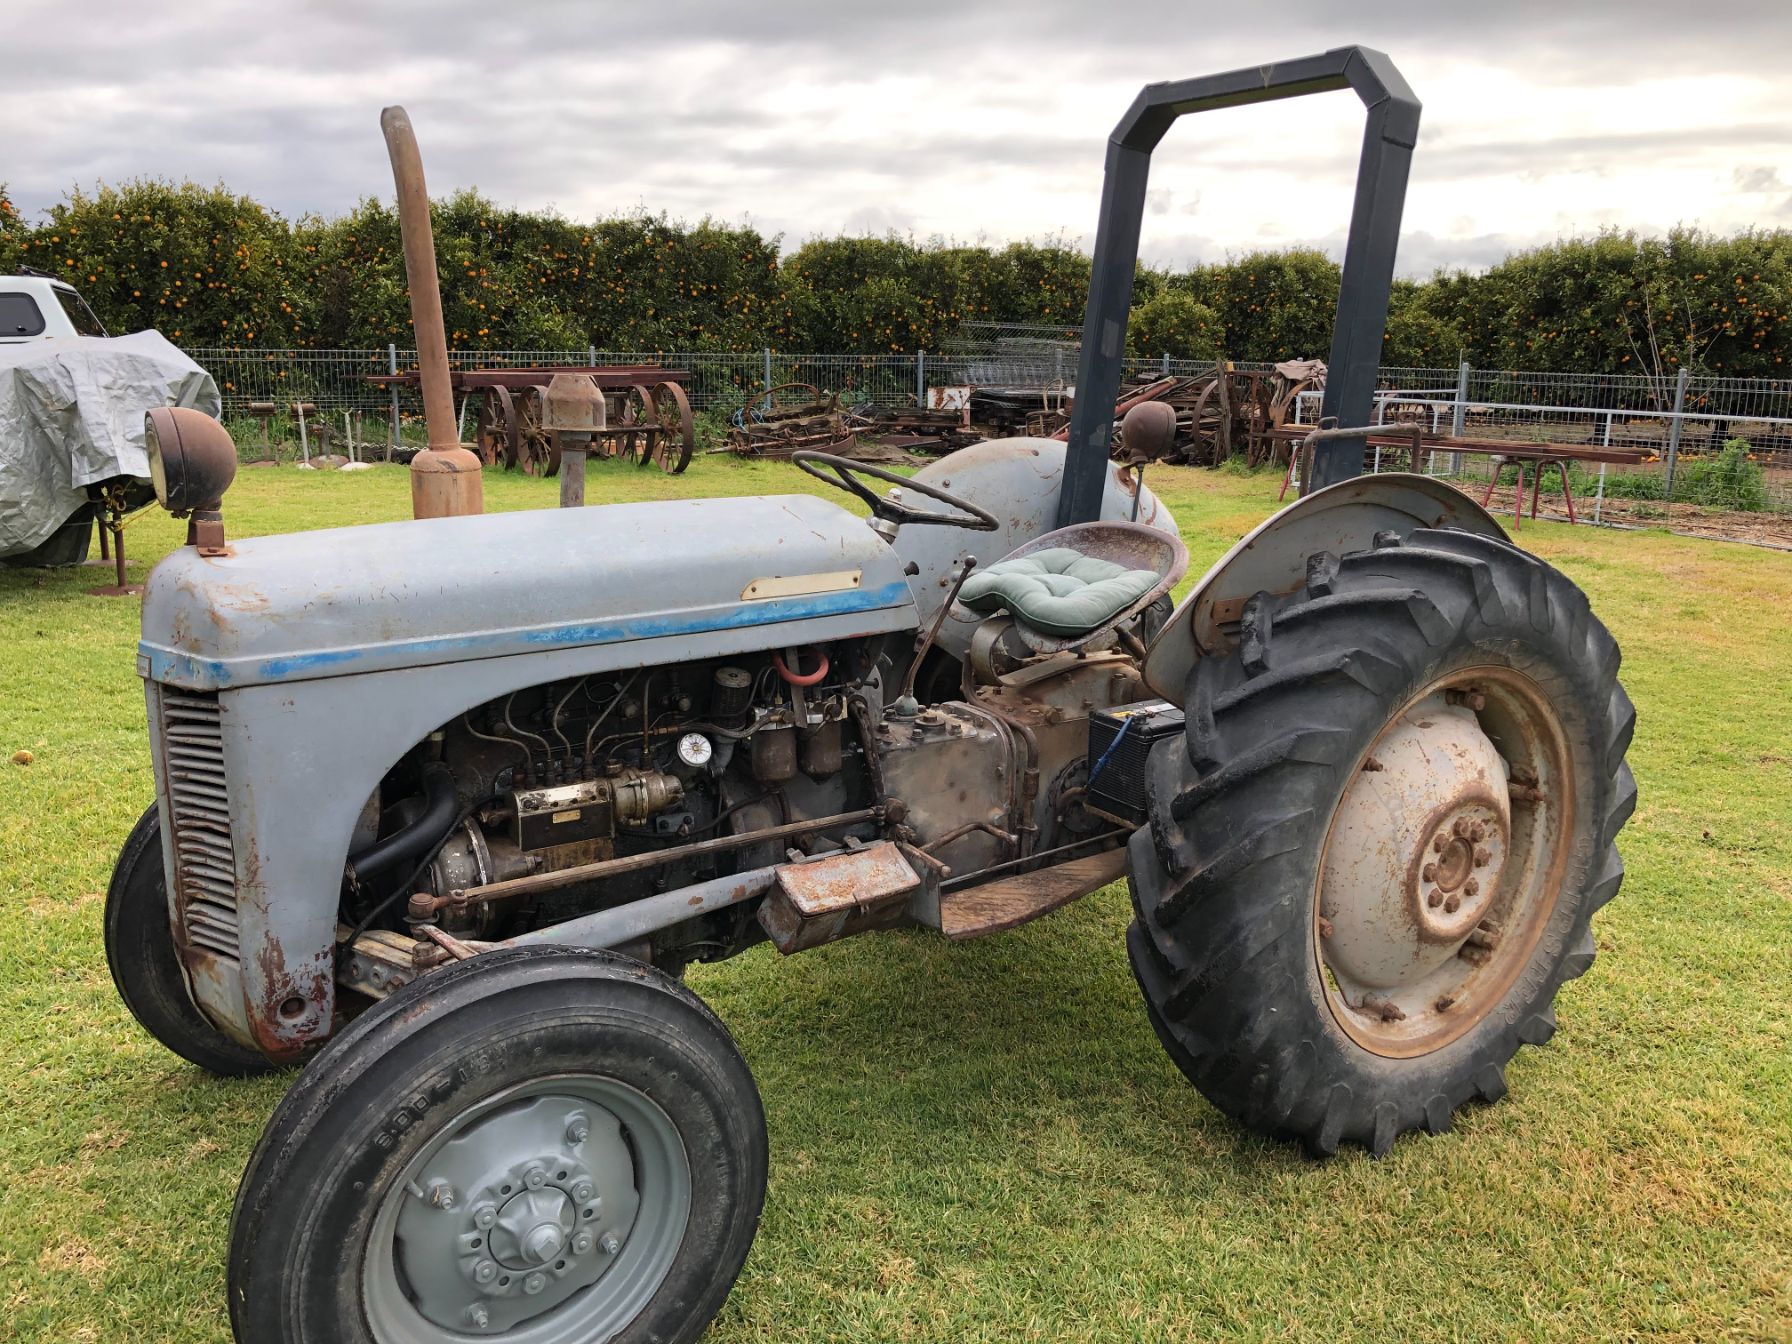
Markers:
point(549, 1213)
point(1444, 861)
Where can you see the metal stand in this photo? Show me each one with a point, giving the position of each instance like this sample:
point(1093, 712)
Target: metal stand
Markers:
point(111, 524)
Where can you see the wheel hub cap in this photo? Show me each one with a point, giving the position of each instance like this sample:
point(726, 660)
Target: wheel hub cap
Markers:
point(532, 1228)
point(517, 1212)
point(1443, 861)
point(1416, 851)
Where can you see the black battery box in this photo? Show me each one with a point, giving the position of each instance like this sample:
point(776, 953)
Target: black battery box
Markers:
point(1120, 742)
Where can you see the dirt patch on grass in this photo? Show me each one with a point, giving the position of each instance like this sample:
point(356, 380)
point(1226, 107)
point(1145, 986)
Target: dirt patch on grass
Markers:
point(72, 1256)
point(1690, 520)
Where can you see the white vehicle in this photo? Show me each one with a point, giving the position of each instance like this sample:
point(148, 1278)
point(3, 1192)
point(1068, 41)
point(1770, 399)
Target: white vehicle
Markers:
point(72, 401)
point(38, 307)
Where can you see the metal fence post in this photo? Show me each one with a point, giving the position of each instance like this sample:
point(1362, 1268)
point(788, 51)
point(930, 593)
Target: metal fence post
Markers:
point(392, 365)
point(1599, 499)
point(591, 355)
point(1459, 415)
point(1166, 364)
point(1674, 429)
point(921, 378)
point(768, 368)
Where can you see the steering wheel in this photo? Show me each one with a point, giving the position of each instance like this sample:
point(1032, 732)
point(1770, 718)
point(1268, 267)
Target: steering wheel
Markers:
point(843, 473)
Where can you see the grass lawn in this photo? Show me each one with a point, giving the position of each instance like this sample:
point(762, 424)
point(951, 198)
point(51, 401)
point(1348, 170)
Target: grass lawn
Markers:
point(984, 1142)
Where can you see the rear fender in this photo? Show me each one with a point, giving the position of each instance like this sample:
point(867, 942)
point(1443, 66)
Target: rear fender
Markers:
point(1272, 558)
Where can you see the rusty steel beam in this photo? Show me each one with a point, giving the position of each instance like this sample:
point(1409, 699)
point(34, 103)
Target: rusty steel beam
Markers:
point(557, 878)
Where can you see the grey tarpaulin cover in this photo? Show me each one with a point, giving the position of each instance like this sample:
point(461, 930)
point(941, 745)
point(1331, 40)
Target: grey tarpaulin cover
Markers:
point(71, 415)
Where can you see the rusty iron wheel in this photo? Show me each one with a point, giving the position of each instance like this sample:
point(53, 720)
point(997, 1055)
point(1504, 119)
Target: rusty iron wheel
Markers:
point(1443, 861)
point(675, 436)
point(636, 445)
point(1373, 855)
point(540, 451)
point(497, 432)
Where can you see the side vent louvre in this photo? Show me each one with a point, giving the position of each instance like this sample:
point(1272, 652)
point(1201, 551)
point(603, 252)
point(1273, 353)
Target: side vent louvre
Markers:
point(204, 862)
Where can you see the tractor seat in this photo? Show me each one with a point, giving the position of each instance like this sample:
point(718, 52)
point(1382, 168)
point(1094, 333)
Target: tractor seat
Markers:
point(1070, 586)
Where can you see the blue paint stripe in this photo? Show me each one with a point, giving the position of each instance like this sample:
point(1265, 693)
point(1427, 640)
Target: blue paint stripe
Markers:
point(170, 665)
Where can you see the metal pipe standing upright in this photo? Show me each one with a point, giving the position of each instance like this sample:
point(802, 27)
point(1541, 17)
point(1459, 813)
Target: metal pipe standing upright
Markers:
point(445, 479)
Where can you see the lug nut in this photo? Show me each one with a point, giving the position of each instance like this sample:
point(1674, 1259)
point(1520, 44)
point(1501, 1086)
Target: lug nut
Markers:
point(535, 1178)
point(583, 1191)
point(1483, 856)
point(578, 1129)
point(1428, 873)
point(441, 1195)
point(535, 1283)
point(1472, 887)
point(1435, 898)
point(1452, 904)
point(611, 1243)
point(478, 1316)
point(484, 1216)
point(1460, 827)
point(485, 1271)
point(1440, 843)
point(1478, 832)
point(581, 1243)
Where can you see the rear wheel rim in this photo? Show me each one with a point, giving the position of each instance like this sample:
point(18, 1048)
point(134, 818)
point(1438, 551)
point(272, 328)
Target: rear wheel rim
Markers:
point(547, 1214)
point(1443, 862)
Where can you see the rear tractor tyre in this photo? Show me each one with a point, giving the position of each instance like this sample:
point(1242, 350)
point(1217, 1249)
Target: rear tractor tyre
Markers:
point(540, 1146)
point(1373, 854)
point(146, 968)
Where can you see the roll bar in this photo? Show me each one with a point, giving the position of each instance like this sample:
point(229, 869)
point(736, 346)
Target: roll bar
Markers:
point(1390, 131)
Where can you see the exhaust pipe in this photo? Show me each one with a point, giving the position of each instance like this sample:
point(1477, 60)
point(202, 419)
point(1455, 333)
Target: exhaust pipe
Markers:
point(445, 479)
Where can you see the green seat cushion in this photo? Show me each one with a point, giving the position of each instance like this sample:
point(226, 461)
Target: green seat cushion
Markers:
point(1057, 590)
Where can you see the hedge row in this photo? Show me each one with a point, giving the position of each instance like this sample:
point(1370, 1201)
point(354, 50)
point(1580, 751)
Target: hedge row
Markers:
point(211, 268)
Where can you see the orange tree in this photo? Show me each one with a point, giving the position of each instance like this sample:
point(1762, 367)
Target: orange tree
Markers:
point(1620, 303)
point(1174, 322)
point(12, 232)
point(201, 265)
point(513, 280)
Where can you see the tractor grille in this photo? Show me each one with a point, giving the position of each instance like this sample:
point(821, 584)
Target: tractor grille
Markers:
point(199, 820)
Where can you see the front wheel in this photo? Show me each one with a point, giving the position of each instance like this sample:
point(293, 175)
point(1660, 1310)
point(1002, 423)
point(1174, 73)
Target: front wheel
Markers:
point(541, 1146)
point(145, 966)
point(1373, 854)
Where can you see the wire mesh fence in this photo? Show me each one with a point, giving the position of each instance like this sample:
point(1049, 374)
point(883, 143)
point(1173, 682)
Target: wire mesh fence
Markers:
point(1718, 442)
point(1727, 447)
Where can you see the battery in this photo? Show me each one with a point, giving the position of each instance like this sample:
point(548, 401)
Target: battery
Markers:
point(1120, 742)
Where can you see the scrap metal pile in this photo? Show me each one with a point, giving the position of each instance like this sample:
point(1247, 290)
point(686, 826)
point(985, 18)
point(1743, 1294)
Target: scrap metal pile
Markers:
point(786, 418)
point(1227, 413)
point(792, 416)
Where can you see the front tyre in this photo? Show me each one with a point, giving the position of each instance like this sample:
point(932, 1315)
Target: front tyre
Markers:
point(540, 1146)
point(145, 966)
point(1373, 855)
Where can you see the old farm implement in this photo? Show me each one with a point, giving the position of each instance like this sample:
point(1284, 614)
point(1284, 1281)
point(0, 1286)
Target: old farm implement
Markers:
point(648, 414)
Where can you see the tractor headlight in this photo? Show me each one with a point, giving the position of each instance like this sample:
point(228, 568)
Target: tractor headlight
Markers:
point(192, 458)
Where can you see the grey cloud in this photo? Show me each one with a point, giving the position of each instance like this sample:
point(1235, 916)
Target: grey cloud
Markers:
point(1759, 179)
point(684, 105)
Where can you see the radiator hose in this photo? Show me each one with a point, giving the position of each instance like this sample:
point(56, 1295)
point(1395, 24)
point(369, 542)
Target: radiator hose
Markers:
point(418, 838)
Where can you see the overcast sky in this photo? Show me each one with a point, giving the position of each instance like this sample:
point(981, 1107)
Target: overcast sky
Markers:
point(974, 121)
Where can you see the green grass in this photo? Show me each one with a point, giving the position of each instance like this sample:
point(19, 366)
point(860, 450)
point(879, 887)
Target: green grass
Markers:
point(984, 1142)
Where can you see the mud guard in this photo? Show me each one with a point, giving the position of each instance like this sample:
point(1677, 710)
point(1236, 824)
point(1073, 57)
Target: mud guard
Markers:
point(1272, 558)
